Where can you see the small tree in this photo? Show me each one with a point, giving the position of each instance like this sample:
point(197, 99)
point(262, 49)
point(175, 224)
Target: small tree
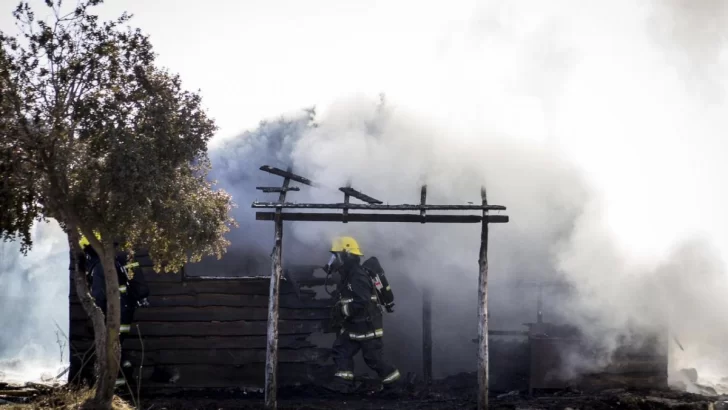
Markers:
point(93, 134)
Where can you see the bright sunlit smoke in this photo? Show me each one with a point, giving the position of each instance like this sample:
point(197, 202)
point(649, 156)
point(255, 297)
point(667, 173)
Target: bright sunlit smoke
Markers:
point(513, 99)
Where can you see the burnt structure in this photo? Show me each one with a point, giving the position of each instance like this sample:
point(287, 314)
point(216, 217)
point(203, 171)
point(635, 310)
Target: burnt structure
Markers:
point(210, 332)
point(257, 333)
point(345, 216)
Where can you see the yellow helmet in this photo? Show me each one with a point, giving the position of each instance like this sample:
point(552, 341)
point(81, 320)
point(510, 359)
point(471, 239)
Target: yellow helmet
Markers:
point(346, 244)
point(84, 241)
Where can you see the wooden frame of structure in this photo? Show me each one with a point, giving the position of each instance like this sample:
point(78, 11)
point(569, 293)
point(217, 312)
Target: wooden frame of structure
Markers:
point(372, 204)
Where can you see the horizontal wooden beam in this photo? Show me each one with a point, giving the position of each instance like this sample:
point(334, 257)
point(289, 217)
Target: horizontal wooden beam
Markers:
point(217, 356)
point(378, 207)
point(203, 342)
point(83, 328)
point(287, 174)
point(335, 217)
point(359, 195)
point(277, 188)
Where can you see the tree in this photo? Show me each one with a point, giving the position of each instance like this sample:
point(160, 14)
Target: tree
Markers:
point(96, 136)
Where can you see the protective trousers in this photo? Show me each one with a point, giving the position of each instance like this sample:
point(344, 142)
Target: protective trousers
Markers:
point(126, 318)
point(345, 349)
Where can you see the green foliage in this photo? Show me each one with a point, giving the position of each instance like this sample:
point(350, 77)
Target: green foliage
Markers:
point(95, 135)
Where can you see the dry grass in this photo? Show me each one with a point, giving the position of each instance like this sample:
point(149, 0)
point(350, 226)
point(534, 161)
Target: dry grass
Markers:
point(64, 398)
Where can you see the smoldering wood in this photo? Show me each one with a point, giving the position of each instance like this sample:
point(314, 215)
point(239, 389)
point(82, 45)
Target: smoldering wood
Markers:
point(378, 207)
point(392, 218)
point(345, 218)
point(427, 335)
point(269, 189)
point(423, 200)
point(288, 175)
point(483, 309)
point(349, 191)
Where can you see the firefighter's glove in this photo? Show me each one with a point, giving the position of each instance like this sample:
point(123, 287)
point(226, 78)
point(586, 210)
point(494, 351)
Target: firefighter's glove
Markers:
point(389, 307)
point(143, 302)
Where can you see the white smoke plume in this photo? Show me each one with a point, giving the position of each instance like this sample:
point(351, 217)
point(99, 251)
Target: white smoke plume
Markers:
point(599, 125)
point(594, 135)
point(34, 305)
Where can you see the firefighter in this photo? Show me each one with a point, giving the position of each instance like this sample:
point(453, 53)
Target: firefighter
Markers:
point(133, 293)
point(357, 317)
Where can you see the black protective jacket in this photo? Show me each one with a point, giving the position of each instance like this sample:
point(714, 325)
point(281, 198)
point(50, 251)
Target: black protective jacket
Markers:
point(358, 302)
point(131, 289)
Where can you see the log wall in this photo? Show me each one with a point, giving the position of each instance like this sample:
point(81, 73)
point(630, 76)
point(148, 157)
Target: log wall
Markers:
point(210, 332)
point(207, 332)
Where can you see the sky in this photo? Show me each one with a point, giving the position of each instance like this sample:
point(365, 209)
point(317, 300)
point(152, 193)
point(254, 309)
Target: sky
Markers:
point(632, 93)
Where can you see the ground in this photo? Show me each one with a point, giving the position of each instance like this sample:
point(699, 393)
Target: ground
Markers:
point(412, 397)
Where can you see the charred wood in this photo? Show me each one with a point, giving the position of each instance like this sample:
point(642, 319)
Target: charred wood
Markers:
point(379, 207)
point(81, 329)
point(359, 195)
point(233, 357)
point(411, 218)
point(270, 189)
point(203, 342)
point(287, 174)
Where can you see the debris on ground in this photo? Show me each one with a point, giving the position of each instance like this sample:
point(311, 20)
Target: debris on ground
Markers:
point(454, 392)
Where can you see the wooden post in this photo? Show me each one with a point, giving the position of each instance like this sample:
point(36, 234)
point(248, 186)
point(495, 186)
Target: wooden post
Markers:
point(271, 354)
point(483, 311)
point(427, 335)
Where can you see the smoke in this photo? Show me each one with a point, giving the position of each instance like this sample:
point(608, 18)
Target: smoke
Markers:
point(34, 305)
point(592, 124)
point(599, 125)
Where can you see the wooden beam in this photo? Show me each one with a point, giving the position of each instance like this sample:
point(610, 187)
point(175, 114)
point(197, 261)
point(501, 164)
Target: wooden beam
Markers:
point(378, 207)
point(287, 174)
point(483, 310)
point(359, 195)
point(277, 189)
point(271, 357)
point(427, 335)
point(345, 218)
point(336, 217)
point(423, 199)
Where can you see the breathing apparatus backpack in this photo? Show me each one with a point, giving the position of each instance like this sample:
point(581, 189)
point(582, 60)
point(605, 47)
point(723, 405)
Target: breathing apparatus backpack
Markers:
point(384, 291)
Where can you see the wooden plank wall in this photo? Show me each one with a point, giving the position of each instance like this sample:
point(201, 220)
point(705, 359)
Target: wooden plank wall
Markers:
point(211, 333)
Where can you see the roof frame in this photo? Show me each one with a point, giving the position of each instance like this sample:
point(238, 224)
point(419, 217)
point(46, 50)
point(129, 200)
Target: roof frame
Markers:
point(395, 216)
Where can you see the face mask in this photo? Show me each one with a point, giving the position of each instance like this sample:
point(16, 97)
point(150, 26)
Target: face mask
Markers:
point(334, 263)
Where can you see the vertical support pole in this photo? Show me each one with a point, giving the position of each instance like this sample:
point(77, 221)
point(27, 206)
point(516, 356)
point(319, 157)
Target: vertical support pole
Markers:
point(423, 201)
point(345, 219)
point(483, 310)
point(539, 313)
point(427, 335)
point(271, 354)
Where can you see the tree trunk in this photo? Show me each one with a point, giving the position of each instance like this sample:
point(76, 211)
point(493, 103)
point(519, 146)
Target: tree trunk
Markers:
point(94, 312)
point(111, 348)
point(82, 290)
